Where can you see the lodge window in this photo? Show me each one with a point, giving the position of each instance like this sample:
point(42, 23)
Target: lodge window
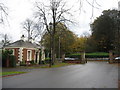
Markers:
point(29, 55)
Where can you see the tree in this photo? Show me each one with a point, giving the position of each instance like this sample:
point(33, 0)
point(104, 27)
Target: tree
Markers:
point(117, 33)
point(80, 44)
point(104, 30)
point(93, 3)
point(3, 14)
point(5, 39)
point(64, 39)
point(33, 29)
point(54, 13)
point(91, 45)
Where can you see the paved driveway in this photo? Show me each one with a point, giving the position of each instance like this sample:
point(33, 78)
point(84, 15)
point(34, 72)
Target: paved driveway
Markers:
point(90, 75)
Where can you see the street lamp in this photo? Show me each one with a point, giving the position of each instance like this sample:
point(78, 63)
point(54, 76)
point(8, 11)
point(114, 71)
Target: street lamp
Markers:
point(118, 31)
point(59, 47)
point(55, 5)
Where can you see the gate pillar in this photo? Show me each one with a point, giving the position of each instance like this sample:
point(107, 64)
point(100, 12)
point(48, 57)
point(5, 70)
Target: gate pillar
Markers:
point(111, 57)
point(83, 57)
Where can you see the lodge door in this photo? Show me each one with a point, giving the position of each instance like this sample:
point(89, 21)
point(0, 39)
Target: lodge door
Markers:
point(36, 57)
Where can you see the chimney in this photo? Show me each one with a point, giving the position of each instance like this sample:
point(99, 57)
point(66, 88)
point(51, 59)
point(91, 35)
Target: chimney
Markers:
point(31, 40)
point(22, 37)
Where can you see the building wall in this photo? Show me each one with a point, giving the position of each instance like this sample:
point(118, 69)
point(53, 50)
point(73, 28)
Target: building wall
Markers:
point(25, 54)
point(15, 52)
point(33, 54)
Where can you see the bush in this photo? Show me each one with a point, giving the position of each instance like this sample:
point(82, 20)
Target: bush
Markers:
point(7, 54)
point(43, 62)
point(22, 63)
point(32, 62)
point(47, 61)
point(47, 58)
point(4, 58)
point(12, 61)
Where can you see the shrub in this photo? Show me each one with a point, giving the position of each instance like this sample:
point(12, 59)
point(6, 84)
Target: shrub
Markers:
point(47, 61)
point(12, 61)
point(7, 54)
point(4, 58)
point(22, 63)
point(43, 62)
point(47, 58)
point(32, 62)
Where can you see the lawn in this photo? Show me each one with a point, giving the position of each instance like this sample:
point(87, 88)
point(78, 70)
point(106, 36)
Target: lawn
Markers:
point(98, 53)
point(57, 65)
point(47, 65)
point(10, 73)
point(95, 53)
point(33, 67)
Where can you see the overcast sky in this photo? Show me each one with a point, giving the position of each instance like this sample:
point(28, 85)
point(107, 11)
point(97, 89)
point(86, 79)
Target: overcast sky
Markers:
point(19, 10)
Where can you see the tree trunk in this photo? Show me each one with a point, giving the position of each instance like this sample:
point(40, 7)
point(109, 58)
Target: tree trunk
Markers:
point(53, 36)
point(53, 50)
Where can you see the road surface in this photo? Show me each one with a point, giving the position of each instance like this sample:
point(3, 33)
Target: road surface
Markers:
point(90, 75)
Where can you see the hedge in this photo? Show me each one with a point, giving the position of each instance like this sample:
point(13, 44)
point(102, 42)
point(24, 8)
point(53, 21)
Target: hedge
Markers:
point(73, 56)
point(96, 56)
point(89, 55)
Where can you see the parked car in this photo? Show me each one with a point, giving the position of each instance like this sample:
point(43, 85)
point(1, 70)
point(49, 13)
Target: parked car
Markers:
point(117, 59)
point(71, 58)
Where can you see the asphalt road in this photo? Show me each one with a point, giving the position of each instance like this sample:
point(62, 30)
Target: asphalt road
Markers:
point(90, 75)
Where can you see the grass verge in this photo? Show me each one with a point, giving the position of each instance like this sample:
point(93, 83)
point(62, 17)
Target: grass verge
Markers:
point(38, 66)
point(57, 65)
point(10, 73)
point(94, 53)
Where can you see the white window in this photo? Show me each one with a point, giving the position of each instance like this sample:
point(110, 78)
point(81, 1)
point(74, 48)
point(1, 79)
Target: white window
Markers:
point(29, 55)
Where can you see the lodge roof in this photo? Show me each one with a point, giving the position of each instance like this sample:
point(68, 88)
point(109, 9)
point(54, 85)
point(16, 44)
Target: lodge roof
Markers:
point(21, 43)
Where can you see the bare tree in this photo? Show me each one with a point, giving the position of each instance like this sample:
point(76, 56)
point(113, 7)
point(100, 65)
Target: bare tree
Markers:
point(5, 39)
point(51, 15)
point(33, 29)
point(94, 5)
point(3, 12)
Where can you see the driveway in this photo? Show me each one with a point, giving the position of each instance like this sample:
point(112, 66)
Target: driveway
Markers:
point(90, 75)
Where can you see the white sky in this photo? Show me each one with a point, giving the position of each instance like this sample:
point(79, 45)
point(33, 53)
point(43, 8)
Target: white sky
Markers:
point(19, 10)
